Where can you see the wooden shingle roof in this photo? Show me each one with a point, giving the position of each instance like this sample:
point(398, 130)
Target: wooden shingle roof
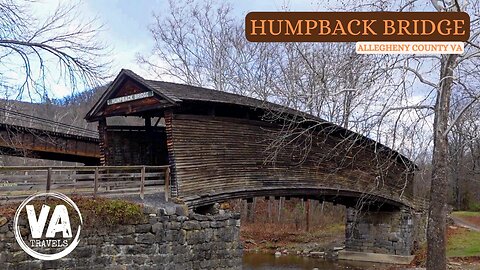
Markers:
point(181, 92)
point(176, 93)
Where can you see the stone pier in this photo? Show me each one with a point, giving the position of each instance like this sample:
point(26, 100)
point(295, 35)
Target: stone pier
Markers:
point(387, 232)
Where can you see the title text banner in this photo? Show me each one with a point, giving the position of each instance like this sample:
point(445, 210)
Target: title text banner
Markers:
point(356, 26)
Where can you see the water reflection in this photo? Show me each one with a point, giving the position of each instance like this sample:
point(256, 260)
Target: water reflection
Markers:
point(262, 261)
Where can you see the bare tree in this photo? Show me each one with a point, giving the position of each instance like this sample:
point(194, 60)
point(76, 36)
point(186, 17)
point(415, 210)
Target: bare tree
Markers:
point(455, 73)
point(40, 51)
point(402, 101)
point(36, 51)
point(197, 50)
point(464, 142)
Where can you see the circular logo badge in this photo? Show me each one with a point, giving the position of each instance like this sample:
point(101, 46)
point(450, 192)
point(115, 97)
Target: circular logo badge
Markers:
point(51, 235)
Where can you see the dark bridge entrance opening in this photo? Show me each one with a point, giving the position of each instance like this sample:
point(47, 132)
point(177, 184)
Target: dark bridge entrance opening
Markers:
point(135, 145)
point(131, 125)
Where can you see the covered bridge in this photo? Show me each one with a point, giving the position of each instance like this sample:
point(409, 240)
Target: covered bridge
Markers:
point(223, 146)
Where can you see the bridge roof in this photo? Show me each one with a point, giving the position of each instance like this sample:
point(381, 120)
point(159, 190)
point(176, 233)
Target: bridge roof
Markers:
point(175, 94)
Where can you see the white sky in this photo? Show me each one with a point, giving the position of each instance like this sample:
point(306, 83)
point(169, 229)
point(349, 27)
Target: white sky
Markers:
point(126, 23)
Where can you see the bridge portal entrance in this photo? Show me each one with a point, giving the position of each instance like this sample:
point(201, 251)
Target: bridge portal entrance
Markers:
point(135, 145)
point(131, 124)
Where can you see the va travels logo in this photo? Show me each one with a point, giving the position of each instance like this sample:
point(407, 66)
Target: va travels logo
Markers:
point(50, 240)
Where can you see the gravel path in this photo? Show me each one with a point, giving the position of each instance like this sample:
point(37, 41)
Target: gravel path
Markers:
point(465, 224)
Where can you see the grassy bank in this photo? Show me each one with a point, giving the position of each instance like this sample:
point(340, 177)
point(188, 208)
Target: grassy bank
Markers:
point(466, 214)
point(96, 213)
point(464, 242)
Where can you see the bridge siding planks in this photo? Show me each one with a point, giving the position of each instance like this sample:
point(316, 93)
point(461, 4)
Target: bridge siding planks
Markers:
point(36, 143)
point(102, 145)
point(171, 153)
point(214, 155)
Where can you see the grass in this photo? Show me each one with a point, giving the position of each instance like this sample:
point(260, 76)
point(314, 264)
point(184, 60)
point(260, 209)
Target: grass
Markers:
point(96, 213)
point(466, 214)
point(463, 243)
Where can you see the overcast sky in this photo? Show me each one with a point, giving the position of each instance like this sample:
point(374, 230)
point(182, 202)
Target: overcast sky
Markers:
point(126, 22)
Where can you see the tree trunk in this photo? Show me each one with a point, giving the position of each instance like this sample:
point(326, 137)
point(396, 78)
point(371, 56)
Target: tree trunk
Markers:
point(279, 209)
point(251, 210)
point(436, 231)
point(307, 215)
point(269, 210)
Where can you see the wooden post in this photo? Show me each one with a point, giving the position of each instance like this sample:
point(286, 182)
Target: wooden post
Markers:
point(49, 179)
point(167, 184)
point(149, 152)
point(95, 183)
point(250, 210)
point(269, 210)
point(307, 215)
point(254, 205)
point(142, 183)
point(280, 209)
point(245, 209)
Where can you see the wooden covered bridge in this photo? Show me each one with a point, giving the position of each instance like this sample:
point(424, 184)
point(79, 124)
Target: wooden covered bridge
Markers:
point(223, 146)
point(30, 136)
point(210, 146)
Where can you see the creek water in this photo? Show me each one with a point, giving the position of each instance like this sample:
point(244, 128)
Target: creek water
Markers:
point(263, 261)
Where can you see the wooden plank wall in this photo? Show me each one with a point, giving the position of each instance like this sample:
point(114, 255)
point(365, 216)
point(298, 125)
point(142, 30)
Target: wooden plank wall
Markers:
point(171, 153)
point(215, 155)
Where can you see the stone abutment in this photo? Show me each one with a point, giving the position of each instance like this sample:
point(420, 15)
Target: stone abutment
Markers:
point(165, 239)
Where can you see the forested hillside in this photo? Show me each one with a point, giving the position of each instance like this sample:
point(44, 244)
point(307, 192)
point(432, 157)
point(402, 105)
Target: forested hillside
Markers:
point(69, 110)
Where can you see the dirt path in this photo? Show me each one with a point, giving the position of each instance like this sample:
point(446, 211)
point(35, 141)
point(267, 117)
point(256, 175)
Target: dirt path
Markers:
point(465, 224)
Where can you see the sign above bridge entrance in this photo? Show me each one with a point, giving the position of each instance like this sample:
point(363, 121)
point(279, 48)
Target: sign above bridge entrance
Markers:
point(130, 98)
